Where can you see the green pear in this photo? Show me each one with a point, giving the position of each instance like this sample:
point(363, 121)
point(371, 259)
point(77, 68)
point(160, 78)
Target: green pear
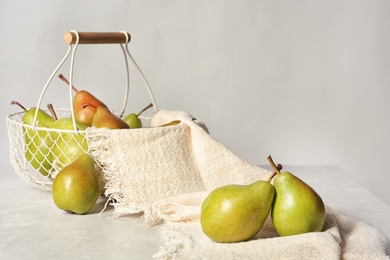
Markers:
point(38, 142)
point(234, 213)
point(67, 146)
point(297, 207)
point(103, 118)
point(133, 119)
point(76, 187)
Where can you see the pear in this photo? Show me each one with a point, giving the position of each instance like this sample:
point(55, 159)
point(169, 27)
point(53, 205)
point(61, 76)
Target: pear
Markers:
point(234, 213)
point(38, 142)
point(174, 122)
point(297, 207)
point(76, 187)
point(83, 114)
point(103, 118)
point(133, 119)
point(67, 146)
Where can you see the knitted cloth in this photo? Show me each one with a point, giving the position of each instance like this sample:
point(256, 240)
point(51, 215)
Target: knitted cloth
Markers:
point(166, 172)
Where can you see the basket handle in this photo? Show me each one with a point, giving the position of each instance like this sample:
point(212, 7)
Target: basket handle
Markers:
point(96, 37)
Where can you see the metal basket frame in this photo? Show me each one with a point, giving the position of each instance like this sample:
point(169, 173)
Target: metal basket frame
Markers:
point(26, 148)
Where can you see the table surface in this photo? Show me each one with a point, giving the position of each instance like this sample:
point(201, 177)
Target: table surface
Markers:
point(32, 227)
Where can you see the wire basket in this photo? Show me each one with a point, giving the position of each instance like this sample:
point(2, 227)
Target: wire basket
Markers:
point(39, 153)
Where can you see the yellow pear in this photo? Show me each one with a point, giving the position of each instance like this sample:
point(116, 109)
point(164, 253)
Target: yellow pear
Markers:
point(297, 207)
point(234, 213)
point(103, 118)
point(76, 187)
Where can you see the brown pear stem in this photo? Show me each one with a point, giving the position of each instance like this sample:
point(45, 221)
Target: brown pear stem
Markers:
point(67, 82)
point(17, 103)
point(279, 167)
point(273, 164)
point(52, 112)
point(146, 108)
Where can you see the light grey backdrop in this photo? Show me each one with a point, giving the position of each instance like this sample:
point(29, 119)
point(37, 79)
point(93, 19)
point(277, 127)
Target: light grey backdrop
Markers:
point(305, 81)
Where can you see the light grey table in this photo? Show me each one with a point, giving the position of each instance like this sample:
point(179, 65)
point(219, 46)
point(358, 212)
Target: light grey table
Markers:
point(32, 227)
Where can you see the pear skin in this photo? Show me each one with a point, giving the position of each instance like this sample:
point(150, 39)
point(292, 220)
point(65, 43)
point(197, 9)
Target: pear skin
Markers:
point(133, 119)
point(38, 152)
point(235, 213)
point(297, 207)
point(103, 118)
point(67, 146)
point(76, 187)
point(38, 142)
point(84, 114)
point(43, 119)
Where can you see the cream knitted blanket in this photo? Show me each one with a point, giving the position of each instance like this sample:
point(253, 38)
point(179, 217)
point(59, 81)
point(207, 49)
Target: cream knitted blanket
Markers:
point(166, 172)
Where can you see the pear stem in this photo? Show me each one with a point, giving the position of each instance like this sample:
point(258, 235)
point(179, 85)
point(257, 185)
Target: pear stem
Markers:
point(52, 112)
point(17, 103)
point(146, 108)
point(67, 82)
point(273, 164)
point(279, 167)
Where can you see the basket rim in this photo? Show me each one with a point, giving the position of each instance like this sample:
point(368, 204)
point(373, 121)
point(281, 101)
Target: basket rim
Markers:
point(11, 118)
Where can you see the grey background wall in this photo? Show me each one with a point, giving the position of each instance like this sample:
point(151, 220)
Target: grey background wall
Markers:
point(305, 81)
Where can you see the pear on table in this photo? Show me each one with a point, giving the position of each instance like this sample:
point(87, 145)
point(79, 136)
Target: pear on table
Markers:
point(133, 119)
point(234, 213)
point(84, 114)
point(297, 207)
point(38, 142)
point(76, 188)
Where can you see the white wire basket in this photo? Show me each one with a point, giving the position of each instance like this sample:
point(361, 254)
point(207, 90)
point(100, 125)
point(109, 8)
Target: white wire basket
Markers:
point(39, 153)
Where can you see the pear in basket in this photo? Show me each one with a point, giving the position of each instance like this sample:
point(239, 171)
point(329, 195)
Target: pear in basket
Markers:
point(133, 119)
point(68, 146)
point(103, 118)
point(38, 142)
point(297, 207)
point(82, 113)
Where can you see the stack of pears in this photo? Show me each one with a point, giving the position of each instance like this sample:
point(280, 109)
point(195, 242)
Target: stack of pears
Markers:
point(235, 213)
point(50, 151)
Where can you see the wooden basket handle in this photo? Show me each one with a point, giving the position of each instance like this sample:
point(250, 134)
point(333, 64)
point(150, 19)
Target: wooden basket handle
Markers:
point(97, 37)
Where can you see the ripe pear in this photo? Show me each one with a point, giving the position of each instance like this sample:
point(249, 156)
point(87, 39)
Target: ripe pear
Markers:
point(67, 146)
point(76, 187)
point(83, 114)
point(174, 122)
point(133, 119)
point(103, 118)
point(38, 142)
point(297, 207)
point(234, 213)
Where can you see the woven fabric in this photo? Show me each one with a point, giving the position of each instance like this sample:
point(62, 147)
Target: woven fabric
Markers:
point(166, 172)
point(143, 166)
point(342, 238)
